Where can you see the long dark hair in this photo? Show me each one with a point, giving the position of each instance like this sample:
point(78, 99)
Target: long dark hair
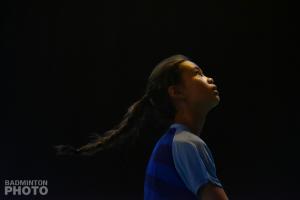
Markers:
point(153, 111)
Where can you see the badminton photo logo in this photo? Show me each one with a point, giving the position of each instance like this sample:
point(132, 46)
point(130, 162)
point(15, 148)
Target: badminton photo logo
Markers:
point(25, 187)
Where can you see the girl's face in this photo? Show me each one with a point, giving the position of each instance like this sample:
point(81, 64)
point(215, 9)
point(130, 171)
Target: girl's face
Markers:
point(198, 90)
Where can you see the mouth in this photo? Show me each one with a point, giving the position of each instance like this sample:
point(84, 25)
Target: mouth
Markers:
point(216, 92)
point(215, 89)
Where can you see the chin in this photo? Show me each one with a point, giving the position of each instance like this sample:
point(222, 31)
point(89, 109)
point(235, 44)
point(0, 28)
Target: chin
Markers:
point(215, 101)
point(218, 98)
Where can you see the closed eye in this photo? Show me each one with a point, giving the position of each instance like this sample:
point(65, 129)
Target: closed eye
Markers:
point(199, 72)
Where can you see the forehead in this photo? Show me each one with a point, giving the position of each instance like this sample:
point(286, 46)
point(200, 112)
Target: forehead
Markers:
point(188, 66)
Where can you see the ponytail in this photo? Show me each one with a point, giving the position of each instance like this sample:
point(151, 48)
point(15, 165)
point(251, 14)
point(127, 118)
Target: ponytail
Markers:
point(153, 113)
point(139, 116)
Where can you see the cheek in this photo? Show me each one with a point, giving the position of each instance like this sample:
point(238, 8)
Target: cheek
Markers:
point(199, 92)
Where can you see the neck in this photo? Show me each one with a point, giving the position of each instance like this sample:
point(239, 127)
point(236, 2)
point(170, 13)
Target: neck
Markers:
point(194, 121)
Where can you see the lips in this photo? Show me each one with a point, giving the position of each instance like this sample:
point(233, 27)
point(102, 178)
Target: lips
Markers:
point(215, 88)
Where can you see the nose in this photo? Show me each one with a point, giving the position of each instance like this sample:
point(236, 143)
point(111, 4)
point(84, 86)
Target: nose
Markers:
point(210, 80)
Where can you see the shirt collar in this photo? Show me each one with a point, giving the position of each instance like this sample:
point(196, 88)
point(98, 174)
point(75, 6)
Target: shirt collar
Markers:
point(179, 127)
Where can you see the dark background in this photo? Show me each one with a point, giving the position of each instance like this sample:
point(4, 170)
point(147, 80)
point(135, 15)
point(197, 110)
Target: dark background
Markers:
point(70, 69)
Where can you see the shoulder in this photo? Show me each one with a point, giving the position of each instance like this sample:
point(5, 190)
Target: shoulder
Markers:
point(193, 161)
point(187, 145)
point(187, 139)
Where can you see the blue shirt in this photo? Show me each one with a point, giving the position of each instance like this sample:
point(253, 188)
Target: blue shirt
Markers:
point(180, 164)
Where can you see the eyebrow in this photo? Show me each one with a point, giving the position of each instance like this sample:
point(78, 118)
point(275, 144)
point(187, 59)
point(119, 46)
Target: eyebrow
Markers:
point(198, 69)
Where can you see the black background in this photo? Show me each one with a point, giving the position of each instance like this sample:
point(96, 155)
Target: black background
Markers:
point(71, 69)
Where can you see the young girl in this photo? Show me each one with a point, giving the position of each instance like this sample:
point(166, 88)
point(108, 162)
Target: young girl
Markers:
point(176, 102)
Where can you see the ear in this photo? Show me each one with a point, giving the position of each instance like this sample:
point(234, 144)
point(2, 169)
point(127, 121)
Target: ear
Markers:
point(175, 92)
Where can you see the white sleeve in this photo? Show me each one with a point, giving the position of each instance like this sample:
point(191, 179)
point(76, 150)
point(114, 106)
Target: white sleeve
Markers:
point(194, 165)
